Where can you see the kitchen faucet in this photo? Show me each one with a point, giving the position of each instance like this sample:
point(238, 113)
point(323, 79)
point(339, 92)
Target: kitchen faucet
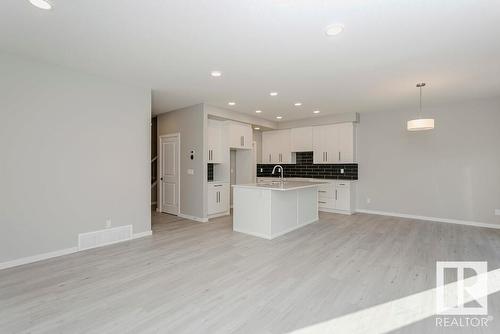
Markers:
point(281, 169)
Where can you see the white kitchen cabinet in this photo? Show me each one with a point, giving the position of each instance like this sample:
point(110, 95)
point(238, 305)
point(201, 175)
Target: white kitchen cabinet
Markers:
point(276, 147)
point(346, 142)
point(240, 135)
point(301, 139)
point(337, 196)
point(334, 143)
point(218, 197)
point(214, 141)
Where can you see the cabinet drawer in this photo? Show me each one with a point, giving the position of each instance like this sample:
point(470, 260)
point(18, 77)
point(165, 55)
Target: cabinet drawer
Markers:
point(341, 184)
point(326, 191)
point(326, 203)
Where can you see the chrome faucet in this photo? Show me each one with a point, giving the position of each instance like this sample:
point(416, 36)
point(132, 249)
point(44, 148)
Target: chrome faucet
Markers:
point(281, 169)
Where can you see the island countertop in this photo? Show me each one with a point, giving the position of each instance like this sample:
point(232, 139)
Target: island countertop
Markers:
point(280, 186)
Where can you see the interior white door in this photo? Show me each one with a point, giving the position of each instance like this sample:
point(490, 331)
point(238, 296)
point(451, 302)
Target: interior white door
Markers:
point(169, 174)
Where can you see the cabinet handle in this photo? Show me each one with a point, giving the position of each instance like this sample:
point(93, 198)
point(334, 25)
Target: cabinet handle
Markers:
point(217, 185)
point(339, 156)
point(341, 184)
point(321, 202)
point(335, 194)
point(326, 153)
point(242, 140)
point(269, 157)
point(321, 191)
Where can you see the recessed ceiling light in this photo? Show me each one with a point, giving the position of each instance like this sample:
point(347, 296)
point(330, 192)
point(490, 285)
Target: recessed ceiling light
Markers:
point(258, 111)
point(279, 117)
point(298, 104)
point(256, 128)
point(334, 29)
point(216, 73)
point(231, 103)
point(273, 93)
point(316, 111)
point(42, 4)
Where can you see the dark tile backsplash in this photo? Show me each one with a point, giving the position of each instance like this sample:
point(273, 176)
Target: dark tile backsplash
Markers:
point(210, 172)
point(304, 167)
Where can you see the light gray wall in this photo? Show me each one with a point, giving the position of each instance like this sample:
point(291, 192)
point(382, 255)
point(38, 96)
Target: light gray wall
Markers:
point(75, 150)
point(190, 122)
point(450, 172)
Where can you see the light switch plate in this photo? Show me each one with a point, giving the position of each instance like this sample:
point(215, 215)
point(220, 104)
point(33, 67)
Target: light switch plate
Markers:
point(497, 212)
point(190, 171)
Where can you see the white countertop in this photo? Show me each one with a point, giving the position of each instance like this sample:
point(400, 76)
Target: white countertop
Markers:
point(281, 186)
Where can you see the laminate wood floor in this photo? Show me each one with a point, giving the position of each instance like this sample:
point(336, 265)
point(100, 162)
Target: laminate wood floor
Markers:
point(191, 277)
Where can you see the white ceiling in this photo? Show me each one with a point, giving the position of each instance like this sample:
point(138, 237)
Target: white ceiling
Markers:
point(264, 45)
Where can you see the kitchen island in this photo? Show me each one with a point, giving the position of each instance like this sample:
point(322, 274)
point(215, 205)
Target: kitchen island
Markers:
point(271, 209)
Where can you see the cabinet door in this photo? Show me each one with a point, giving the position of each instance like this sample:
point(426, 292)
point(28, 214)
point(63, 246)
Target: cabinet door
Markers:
point(319, 144)
point(282, 147)
point(212, 200)
point(214, 141)
point(240, 135)
point(331, 140)
point(301, 139)
point(346, 142)
point(223, 198)
point(343, 196)
point(267, 147)
point(247, 135)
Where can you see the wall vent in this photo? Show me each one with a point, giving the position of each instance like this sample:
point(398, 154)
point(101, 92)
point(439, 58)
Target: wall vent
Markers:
point(104, 237)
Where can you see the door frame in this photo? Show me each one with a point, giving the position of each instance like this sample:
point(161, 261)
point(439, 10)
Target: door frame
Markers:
point(160, 170)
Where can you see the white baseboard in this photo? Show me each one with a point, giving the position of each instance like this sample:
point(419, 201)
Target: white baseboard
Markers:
point(433, 219)
point(38, 257)
point(61, 252)
point(342, 212)
point(197, 219)
point(217, 215)
point(141, 235)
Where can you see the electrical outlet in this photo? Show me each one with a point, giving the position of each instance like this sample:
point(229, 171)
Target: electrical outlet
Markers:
point(342, 171)
point(497, 212)
point(108, 223)
point(262, 170)
point(368, 200)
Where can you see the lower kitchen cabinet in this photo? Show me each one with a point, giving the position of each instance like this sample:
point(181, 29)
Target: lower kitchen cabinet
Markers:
point(218, 197)
point(337, 196)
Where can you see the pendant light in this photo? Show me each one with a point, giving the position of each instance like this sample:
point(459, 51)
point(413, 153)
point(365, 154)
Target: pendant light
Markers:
point(420, 124)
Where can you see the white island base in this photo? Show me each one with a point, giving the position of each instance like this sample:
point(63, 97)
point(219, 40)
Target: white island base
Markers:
point(269, 212)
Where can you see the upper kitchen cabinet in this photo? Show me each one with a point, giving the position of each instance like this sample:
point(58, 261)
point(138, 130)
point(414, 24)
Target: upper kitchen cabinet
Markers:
point(214, 140)
point(301, 139)
point(240, 135)
point(276, 147)
point(334, 143)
